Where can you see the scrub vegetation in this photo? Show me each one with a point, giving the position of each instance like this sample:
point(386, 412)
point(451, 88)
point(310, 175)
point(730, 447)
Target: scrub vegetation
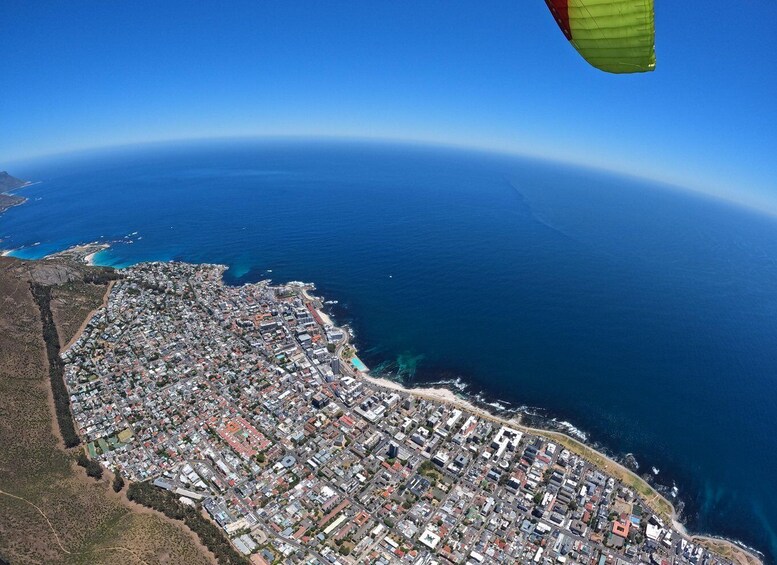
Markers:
point(52, 512)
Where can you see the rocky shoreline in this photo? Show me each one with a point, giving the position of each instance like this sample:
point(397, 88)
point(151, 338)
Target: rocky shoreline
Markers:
point(735, 550)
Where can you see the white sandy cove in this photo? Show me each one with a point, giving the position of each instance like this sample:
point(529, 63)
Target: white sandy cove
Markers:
point(89, 259)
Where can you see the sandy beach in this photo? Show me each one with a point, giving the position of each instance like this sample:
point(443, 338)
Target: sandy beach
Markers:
point(82, 253)
point(324, 317)
point(89, 259)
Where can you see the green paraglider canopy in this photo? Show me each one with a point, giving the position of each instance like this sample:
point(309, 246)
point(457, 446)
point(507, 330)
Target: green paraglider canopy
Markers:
point(617, 36)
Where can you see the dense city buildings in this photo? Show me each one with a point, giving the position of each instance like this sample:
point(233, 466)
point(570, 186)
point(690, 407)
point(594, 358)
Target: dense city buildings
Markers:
point(249, 402)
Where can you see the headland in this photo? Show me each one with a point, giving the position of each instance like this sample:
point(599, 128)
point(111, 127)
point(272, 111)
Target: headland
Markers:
point(8, 184)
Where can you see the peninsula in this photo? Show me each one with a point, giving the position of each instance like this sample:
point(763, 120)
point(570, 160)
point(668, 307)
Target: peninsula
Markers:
point(7, 184)
point(249, 403)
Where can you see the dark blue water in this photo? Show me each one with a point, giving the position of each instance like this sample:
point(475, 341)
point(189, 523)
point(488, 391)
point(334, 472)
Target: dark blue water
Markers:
point(644, 315)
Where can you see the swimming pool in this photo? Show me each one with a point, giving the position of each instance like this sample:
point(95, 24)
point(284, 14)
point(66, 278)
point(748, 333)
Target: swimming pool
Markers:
point(356, 362)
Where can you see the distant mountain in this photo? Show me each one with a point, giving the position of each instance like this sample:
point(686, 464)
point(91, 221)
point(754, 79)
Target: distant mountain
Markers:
point(7, 182)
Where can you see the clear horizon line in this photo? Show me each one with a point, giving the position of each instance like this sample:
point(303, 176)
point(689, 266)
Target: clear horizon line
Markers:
point(765, 207)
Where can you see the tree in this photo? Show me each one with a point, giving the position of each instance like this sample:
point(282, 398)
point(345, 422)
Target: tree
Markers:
point(167, 503)
point(82, 460)
point(95, 470)
point(118, 482)
point(42, 296)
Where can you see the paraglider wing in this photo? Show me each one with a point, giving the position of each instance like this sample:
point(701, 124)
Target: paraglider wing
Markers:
point(617, 36)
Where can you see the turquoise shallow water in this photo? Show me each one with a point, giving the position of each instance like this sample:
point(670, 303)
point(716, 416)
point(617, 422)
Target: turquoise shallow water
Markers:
point(644, 316)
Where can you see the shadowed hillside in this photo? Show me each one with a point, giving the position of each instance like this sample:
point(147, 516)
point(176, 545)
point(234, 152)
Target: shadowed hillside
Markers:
point(7, 182)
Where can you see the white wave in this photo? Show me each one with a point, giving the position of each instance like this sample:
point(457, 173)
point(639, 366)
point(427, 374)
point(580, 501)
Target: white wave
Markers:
point(572, 430)
point(630, 456)
point(655, 470)
point(456, 383)
point(499, 405)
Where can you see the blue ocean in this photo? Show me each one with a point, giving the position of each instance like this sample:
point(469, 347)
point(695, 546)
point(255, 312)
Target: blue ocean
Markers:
point(637, 314)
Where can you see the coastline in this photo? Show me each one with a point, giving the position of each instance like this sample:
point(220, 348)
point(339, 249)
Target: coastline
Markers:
point(9, 200)
point(733, 550)
point(89, 259)
point(85, 253)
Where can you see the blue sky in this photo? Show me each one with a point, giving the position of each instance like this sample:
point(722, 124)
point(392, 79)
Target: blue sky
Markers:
point(495, 74)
